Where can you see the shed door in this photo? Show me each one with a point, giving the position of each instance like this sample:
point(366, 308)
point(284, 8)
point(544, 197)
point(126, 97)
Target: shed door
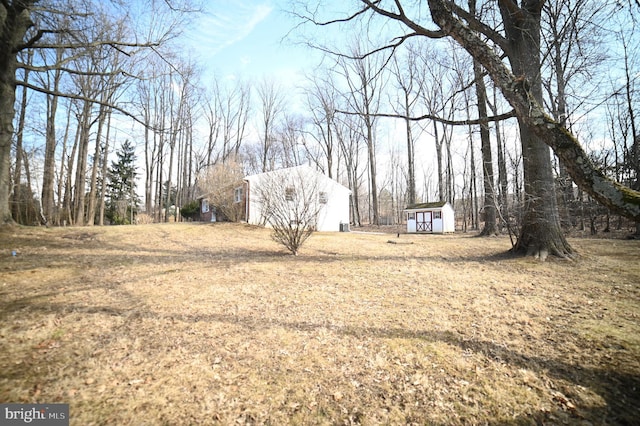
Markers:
point(423, 222)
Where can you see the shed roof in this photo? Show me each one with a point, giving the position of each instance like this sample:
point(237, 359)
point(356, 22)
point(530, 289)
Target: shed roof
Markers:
point(433, 205)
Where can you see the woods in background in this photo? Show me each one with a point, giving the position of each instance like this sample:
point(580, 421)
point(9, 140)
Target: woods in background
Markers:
point(396, 119)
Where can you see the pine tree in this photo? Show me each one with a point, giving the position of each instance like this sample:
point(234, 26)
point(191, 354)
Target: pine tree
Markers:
point(122, 200)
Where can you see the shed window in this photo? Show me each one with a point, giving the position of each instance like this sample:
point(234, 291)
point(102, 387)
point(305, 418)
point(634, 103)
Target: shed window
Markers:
point(411, 216)
point(205, 206)
point(437, 214)
point(290, 193)
point(237, 195)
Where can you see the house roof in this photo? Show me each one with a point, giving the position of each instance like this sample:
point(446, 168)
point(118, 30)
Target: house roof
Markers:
point(421, 206)
point(303, 169)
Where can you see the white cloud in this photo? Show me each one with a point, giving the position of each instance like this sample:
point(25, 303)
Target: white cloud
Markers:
point(229, 23)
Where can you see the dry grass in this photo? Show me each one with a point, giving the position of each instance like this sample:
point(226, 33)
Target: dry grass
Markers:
point(215, 324)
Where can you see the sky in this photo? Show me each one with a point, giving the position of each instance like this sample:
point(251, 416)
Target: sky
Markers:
point(248, 38)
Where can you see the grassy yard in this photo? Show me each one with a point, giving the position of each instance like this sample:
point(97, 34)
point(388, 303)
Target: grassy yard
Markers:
point(183, 324)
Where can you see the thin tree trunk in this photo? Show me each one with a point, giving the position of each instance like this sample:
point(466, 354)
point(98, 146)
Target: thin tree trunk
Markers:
point(64, 183)
point(84, 128)
point(489, 205)
point(17, 172)
point(48, 173)
point(105, 164)
point(93, 192)
point(441, 191)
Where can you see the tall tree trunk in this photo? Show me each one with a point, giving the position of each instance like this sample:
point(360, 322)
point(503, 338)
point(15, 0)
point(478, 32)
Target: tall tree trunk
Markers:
point(411, 168)
point(84, 128)
point(48, 172)
point(14, 22)
point(371, 150)
point(441, 191)
point(93, 191)
point(450, 181)
point(105, 164)
point(489, 204)
point(541, 233)
point(64, 183)
point(149, 162)
point(18, 197)
point(473, 185)
point(169, 183)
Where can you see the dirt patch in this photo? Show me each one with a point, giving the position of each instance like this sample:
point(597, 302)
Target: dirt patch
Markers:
point(216, 324)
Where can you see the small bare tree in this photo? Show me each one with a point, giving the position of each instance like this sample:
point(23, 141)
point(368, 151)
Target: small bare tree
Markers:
point(221, 182)
point(290, 201)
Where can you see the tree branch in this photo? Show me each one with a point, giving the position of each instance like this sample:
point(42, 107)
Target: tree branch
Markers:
point(477, 25)
point(618, 198)
point(74, 71)
point(402, 17)
point(477, 121)
point(516, 14)
point(85, 99)
point(111, 43)
point(33, 40)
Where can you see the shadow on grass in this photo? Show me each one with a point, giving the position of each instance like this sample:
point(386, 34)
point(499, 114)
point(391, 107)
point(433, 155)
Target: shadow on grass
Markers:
point(620, 390)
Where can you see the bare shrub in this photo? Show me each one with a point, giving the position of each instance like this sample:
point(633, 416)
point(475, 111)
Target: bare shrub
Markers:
point(290, 205)
point(143, 219)
point(220, 182)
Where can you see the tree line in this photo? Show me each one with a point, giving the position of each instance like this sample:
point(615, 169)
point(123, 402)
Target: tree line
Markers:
point(485, 88)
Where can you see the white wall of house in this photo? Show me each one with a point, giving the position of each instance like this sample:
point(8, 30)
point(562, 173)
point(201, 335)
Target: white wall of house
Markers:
point(332, 197)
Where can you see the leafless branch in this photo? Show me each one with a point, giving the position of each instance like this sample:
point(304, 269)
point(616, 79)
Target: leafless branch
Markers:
point(85, 99)
point(500, 117)
point(476, 25)
point(84, 45)
point(75, 71)
point(402, 17)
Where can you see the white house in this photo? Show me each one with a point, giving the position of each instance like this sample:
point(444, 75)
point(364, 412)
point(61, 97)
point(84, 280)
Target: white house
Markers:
point(435, 218)
point(300, 187)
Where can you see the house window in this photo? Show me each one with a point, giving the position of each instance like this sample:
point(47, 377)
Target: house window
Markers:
point(205, 206)
point(437, 215)
point(290, 193)
point(237, 195)
point(323, 198)
point(411, 216)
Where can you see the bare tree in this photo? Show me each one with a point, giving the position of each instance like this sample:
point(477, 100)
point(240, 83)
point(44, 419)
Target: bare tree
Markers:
point(489, 205)
point(349, 138)
point(365, 81)
point(406, 74)
point(518, 36)
point(290, 137)
point(322, 99)
point(571, 52)
point(220, 184)
point(271, 99)
point(31, 24)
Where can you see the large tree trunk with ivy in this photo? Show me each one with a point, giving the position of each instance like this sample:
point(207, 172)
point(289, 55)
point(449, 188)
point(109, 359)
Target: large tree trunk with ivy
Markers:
point(541, 233)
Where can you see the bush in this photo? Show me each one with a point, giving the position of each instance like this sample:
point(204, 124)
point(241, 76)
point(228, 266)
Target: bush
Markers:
point(190, 210)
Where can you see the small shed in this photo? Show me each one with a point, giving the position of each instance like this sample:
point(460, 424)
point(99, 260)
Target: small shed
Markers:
point(430, 218)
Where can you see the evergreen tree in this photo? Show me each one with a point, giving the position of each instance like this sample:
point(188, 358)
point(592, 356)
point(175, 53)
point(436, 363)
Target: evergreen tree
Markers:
point(122, 200)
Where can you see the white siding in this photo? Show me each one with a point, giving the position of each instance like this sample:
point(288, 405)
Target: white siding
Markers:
point(331, 214)
point(444, 224)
